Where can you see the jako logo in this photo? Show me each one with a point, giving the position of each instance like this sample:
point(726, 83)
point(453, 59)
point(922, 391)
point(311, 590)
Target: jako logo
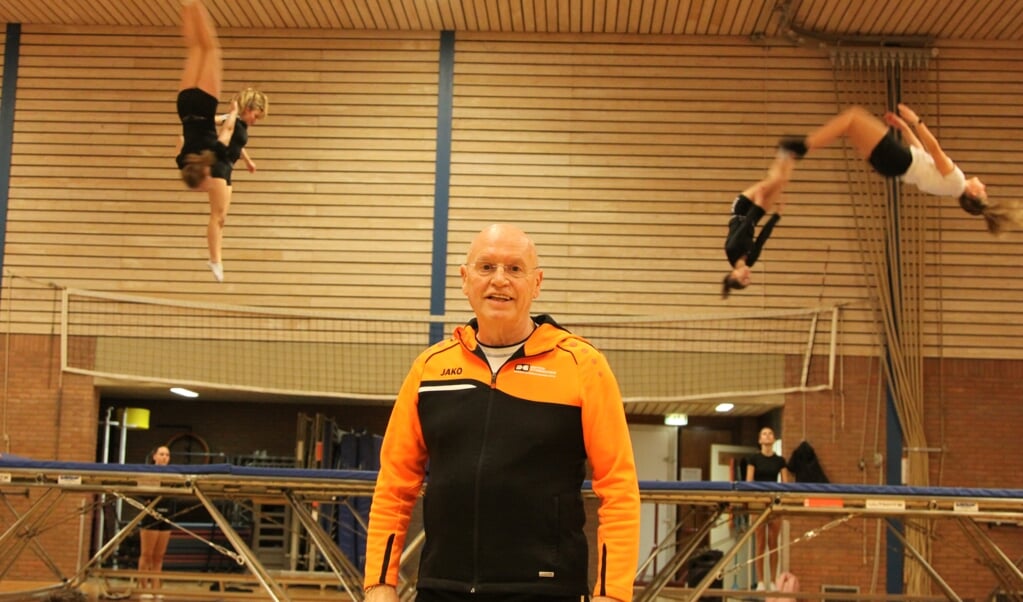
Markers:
point(450, 371)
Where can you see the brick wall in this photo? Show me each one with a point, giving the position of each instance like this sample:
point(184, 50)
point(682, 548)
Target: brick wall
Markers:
point(975, 415)
point(46, 416)
point(972, 412)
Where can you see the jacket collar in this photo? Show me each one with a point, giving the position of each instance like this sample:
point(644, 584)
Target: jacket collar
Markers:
point(547, 335)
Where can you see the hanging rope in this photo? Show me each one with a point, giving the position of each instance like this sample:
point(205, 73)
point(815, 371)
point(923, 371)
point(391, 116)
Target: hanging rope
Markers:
point(891, 233)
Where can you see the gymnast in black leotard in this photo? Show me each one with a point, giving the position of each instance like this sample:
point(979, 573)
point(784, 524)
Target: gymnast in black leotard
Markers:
point(252, 107)
point(743, 247)
point(207, 152)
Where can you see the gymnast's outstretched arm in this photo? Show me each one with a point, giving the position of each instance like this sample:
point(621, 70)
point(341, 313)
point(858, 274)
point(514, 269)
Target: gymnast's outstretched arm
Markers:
point(913, 129)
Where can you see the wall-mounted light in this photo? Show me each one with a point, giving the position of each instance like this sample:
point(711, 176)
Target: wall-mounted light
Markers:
point(135, 418)
point(724, 407)
point(676, 419)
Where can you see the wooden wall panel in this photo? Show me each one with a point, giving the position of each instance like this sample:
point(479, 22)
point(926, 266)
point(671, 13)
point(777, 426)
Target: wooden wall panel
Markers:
point(341, 203)
point(623, 156)
point(620, 153)
point(975, 294)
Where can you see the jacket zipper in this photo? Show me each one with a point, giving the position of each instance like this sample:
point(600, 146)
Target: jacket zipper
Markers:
point(476, 492)
point(479, 472)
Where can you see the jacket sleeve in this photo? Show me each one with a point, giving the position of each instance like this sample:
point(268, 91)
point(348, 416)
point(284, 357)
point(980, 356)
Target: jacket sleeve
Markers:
point(615, 482)
point(402, 464)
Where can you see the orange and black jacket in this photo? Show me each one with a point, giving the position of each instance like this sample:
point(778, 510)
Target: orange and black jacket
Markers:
point(504, 456)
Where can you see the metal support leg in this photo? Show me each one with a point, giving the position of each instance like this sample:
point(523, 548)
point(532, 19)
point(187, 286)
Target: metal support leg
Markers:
point(40, 552)
point(704, 583)
point(949, 593)
point(669, 541)
point(660, 580)
point(24, 529)
point(272, 588)
point(346, 572)
point(109, 547)
point(1004, 569)
point(24, 518)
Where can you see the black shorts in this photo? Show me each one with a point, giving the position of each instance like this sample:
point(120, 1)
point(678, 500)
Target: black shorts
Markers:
point(890, 158)
point(222, 169)
point(196, 105)
point(154, 525)
point(150, 523)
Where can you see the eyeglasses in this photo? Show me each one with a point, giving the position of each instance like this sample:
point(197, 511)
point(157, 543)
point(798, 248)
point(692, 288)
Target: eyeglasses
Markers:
point(511, 270)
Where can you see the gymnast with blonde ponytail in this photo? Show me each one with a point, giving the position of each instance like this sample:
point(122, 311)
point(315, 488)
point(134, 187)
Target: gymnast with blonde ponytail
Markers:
point(202, 146)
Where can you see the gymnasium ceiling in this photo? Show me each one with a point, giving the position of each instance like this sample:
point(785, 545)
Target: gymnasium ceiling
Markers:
point(806, 20)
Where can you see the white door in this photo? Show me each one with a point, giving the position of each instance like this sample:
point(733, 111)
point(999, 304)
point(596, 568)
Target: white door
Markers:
point(656, 450)
point(724, 534)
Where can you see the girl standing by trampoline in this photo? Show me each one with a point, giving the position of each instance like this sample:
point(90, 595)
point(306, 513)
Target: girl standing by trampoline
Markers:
point(766, 465)
point(154, 535)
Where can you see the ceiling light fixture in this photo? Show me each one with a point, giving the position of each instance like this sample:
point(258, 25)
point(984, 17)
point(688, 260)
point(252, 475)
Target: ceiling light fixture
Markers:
point(676, 419)
point(184, 392)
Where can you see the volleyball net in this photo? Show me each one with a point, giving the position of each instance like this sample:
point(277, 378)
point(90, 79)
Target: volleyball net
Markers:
point(663, 363)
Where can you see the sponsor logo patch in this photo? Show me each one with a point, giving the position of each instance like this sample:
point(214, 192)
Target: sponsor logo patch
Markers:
point(535, 370)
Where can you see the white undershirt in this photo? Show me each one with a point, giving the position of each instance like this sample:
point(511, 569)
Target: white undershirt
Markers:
point(497, 356)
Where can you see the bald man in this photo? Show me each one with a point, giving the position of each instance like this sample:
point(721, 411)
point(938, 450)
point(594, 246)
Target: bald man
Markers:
point(506, 413)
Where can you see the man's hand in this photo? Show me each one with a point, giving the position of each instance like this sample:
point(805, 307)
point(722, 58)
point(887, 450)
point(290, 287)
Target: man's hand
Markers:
point(382, 593)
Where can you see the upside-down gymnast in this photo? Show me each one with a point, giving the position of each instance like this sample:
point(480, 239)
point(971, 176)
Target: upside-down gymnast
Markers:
point(920, 161)
point(206, 154)
point(741, 248)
